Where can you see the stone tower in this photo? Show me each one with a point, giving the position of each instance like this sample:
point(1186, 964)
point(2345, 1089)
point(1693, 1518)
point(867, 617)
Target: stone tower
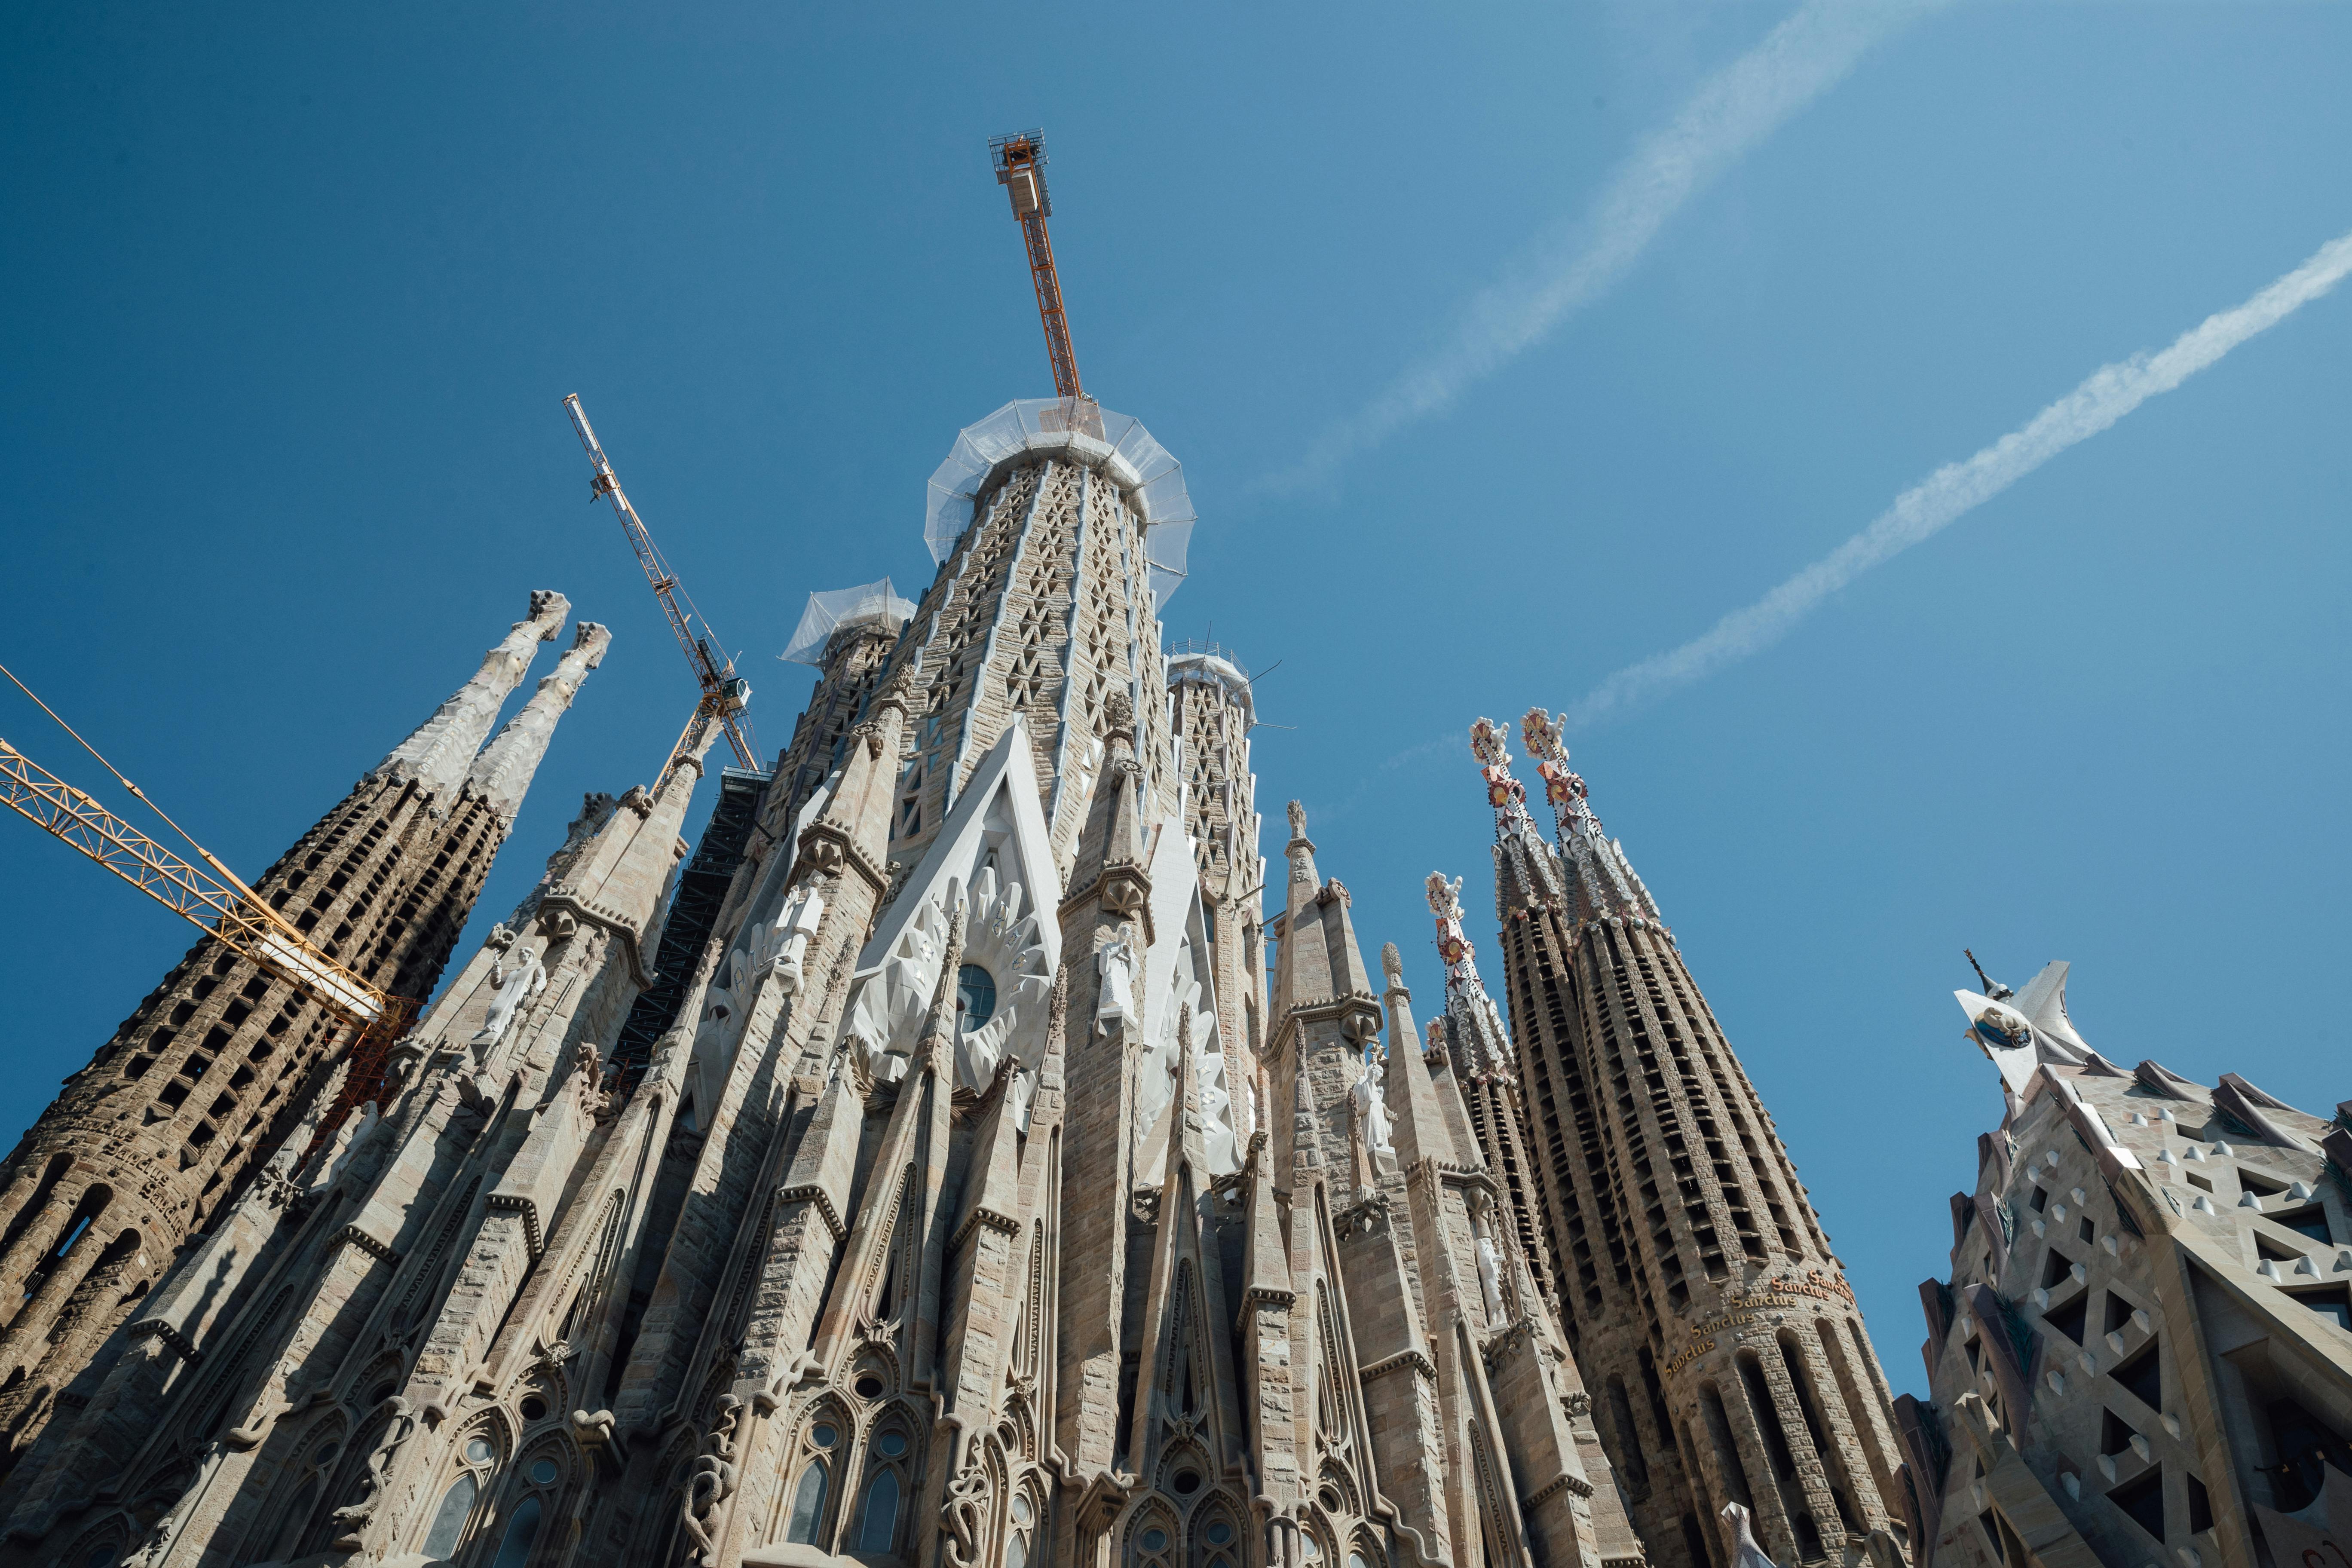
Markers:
point(148, 1141)
point(1697, 1289)
point(845, 635)
point(1211, 712)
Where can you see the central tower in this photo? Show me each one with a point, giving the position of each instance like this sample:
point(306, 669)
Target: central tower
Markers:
point(1059, 527)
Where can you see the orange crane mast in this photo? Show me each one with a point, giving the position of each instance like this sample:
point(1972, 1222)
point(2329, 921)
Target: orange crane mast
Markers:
point(1020, 161)
point(725, 694)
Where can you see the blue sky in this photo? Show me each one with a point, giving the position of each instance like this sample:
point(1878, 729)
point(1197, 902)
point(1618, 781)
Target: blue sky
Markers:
point(294, 295)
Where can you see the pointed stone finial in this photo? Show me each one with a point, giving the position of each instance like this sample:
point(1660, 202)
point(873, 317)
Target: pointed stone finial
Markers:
point(1563, 789)
point(1393, 965)
point(1301, 848)
point(1187, 1130)
point(1119, 714)
point(1486, 1046)
point(1489, 743)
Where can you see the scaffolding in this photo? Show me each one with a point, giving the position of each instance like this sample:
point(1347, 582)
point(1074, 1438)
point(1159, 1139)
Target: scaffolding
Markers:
point(1076, 430)
point(830, 611)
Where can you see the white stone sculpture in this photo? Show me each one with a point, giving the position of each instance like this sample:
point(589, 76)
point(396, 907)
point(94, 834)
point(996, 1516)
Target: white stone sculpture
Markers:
point(1490, 1277)
point(1117, 1004)
point(516, 983)
point(887, 1016)
point(1221, 1142)
point(796, 927)
point(1371, 1111)
point(1006, 945)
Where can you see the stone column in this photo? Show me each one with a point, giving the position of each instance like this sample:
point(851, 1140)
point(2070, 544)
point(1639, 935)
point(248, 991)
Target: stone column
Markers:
point(437, 754)
point(503, 772)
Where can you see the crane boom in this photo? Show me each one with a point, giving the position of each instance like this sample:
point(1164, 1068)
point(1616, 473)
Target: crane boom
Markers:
point(1020, 162)
point(725, 694)
point(218, 903)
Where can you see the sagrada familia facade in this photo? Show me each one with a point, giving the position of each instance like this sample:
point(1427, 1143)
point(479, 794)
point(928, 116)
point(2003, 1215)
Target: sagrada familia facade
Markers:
point(928, 1171)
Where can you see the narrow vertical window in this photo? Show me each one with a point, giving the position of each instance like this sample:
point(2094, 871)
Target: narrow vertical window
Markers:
point(808, 1505)
point(878, 1526)
point(441, 1540)
point(514, 1551)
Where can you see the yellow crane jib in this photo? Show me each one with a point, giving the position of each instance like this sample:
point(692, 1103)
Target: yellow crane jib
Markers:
point(218, 902)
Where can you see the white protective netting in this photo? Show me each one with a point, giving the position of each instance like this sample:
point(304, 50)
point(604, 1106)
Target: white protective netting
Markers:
point(1152, 479)
point(828, 611)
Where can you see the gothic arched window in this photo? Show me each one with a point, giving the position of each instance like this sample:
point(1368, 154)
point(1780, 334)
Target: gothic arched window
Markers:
point(808, 1504)
point(479, 1456)
point(878, 1520)
point(522, 1533)
point(1022, 1523)
point(449, 1519)
point(1154, 1544)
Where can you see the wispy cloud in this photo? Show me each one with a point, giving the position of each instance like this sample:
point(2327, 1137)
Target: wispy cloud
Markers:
point(1952, 491)
point(1580, 259)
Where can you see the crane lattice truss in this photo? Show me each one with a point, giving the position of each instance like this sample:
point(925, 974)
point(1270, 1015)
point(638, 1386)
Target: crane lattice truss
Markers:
point(223, 907)
point(725, 694)
point(1020, 162)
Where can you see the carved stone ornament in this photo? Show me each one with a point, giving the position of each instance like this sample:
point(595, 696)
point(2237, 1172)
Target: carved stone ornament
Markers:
point(1116, 1006)
point(516, 983)
point(355, 1517)
point(713, 1480)
point(966, 1508)
point(1371, 1112)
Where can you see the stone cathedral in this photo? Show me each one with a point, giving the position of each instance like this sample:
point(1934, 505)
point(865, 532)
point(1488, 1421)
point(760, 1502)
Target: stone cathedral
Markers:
point(934, 1169)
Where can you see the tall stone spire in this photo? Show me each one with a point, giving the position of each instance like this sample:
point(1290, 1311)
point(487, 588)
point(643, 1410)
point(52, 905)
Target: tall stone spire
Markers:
point(209, 1075)
point(439, 753)
point(1697, 1288)
point(1485, 1070)
point(503, 772)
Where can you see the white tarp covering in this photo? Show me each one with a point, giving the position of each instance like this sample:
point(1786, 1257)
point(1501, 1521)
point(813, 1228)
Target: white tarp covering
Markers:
point(1152, 479)
point(829, 611)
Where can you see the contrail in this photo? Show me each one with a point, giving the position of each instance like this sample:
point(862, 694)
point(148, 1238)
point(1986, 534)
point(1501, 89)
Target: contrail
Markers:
point(1576, 262)
point(2111, 391)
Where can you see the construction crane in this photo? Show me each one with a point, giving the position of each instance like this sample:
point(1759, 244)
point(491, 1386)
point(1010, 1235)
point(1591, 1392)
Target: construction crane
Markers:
point(218, 903)
point(1020, 161)
point(725, 694)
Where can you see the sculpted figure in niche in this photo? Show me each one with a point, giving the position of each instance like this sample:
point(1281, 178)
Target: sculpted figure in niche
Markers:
point(1117, 1004)
point(517, 983)
point(1490, 1258)
point(1372, 1111)
point(797, 926)
point(1490, 1277)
